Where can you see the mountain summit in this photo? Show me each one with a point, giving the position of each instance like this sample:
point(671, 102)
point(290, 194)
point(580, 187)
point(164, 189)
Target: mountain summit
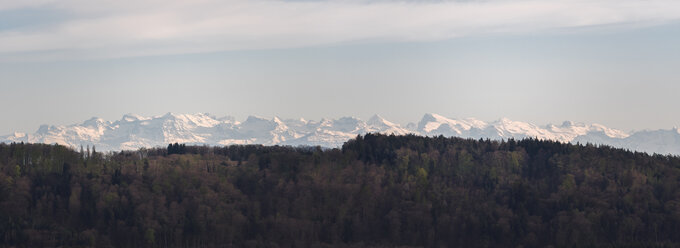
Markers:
point(134, 131)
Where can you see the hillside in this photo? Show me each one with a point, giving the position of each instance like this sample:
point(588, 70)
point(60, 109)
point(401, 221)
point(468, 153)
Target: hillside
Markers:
point(375, 191)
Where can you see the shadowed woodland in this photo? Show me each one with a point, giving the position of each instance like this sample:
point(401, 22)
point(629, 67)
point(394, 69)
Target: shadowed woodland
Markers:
point(376, 191)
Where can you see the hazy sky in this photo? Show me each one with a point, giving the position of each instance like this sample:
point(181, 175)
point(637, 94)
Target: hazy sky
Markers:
point(614, 62)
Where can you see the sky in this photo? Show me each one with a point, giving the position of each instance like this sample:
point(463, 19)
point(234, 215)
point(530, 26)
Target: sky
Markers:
point(613, 62)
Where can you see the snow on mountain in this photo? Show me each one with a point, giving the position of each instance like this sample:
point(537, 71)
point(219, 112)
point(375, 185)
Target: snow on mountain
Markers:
point(434, 124)
point(134, 131)
point(377, 124)
point(657, 141)
point(568, 131)
point(504, 128)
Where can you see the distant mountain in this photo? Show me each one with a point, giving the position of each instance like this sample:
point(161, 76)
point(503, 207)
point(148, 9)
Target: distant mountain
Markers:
point(134, 131)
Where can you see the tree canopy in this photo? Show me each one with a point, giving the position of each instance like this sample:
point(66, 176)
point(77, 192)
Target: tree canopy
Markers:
point(375, 191)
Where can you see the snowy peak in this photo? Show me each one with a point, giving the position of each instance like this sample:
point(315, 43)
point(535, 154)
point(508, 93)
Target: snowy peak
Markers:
point(431, 122)
point(132, 118)
point(135, 131)
point(570, 130)
point(93, 122)
point(259, 123)
point(378, 124)
point(613, 133)
point(189, 120)
point(506, 128)
point(434, 124)
point(377, 120)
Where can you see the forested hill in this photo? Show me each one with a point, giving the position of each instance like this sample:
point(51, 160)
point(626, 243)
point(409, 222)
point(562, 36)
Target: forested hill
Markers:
point(377, 191)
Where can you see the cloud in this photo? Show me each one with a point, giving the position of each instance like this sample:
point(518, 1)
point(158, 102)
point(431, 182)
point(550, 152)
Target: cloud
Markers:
point(114, 28)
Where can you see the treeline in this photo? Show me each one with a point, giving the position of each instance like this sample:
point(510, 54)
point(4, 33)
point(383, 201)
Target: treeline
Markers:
point(376, 191)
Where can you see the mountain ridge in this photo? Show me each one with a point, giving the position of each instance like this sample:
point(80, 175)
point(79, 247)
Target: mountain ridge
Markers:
point(134, 131)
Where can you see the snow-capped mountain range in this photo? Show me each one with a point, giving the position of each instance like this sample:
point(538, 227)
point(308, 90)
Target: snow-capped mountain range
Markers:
point(134, 131)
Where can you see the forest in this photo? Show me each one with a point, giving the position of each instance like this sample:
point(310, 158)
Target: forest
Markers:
point(374, 191)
